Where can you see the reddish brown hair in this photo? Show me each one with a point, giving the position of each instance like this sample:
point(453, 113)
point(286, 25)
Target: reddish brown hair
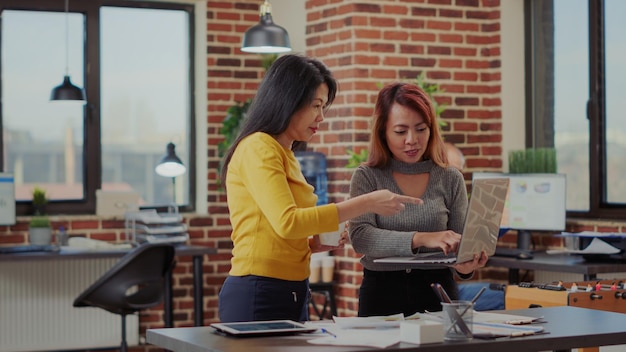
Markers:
point(411, 97)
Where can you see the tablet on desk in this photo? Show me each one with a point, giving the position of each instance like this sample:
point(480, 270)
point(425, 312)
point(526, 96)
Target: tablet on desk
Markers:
point(262, 328)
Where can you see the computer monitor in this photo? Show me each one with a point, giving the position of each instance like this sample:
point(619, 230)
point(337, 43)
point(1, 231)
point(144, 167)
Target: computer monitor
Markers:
point(536, 202)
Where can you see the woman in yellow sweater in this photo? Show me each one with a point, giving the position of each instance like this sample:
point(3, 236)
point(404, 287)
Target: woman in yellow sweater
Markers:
point(272, 208)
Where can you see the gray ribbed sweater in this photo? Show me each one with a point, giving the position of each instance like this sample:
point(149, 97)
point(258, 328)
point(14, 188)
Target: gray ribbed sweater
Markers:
point(444, 208)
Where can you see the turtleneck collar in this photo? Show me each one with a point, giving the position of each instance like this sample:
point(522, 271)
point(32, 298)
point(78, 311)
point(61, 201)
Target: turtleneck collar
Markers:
point(411, 168)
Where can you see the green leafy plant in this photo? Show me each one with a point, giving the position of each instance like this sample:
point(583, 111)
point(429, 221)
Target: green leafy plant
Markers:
point(40, 199)
point(432, 89)
point(39, 221)
point(356, 159)
point(533, 160)
point(231, 125)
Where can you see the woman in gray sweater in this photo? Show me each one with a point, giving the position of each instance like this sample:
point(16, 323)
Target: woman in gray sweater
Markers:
point(407, 156)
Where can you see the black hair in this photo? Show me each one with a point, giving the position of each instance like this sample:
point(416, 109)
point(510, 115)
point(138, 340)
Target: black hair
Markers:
point(289, 84)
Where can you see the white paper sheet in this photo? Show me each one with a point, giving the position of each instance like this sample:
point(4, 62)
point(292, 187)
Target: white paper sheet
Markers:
point(597, 246)
point(372, 337)
point(369, 322)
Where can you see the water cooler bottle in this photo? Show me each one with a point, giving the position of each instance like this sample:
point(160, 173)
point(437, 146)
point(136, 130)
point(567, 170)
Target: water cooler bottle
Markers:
point(313, 165)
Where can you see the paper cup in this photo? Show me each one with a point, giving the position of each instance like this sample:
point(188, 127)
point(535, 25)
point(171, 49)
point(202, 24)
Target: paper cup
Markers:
point(332, 238)
point(316, 267)
point(328, 268)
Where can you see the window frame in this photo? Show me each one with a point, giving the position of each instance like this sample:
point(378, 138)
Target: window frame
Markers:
point(92, 150)
point(599, 207)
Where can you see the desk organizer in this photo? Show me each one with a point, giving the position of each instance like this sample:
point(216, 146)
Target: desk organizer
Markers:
point(149, 226)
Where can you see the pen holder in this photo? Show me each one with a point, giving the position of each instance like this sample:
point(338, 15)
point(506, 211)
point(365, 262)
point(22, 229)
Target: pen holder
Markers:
point(457, 320)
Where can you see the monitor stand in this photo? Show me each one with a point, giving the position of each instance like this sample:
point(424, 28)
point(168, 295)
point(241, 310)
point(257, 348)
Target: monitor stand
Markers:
point(524, 239)
point(522, 251)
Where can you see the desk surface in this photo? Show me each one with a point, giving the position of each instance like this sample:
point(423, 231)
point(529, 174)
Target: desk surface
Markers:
point(568, 327)
point(559, 263)
point(74, 253)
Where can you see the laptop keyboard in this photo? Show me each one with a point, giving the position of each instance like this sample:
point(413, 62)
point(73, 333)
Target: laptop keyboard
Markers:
point(27, 248)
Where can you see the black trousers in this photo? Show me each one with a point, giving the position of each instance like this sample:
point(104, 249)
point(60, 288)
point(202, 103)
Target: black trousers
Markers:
point(407, 291)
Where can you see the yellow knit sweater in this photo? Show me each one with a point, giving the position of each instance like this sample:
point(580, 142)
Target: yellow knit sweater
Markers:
point(272, 211)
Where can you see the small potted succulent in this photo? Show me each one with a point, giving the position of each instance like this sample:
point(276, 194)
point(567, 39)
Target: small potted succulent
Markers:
point(39, 231)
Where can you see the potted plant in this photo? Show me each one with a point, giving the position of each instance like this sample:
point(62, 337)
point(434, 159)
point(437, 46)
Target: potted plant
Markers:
point(533, 160)
point(39, 230)
point(40, 199)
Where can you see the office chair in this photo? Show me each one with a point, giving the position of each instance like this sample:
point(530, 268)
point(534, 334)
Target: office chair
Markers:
point(134, 283)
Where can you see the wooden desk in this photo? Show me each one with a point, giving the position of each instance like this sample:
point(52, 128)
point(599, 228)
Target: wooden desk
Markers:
point(568, 327)
point(196, 252)
point(556, 262)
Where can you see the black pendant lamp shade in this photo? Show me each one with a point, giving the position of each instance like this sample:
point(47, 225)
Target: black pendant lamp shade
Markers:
point(266, 37)
point(67, 91)
point(170, 165)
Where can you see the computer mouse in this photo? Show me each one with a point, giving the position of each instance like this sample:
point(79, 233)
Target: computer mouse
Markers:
point(524, 255)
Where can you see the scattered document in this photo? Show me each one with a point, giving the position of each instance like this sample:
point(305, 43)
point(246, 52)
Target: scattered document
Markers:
point(592, 234)
point(375, 337)
point(384, 331)
point(492, 330)
point(369, 322)
point(501, 318)
point(492, 325)
point(597, 246)
point(82, 243)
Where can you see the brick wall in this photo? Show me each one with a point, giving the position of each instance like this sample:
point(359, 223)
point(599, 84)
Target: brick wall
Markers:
point(366, 43)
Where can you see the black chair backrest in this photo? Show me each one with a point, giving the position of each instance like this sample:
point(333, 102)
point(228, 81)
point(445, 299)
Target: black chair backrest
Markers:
point(135, 282)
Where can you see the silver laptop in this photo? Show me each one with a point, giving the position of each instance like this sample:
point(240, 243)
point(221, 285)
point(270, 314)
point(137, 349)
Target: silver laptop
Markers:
point(480, 231)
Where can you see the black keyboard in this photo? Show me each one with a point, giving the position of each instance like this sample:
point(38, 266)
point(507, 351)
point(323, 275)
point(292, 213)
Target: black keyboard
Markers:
point(27, 248)
point(513, 253)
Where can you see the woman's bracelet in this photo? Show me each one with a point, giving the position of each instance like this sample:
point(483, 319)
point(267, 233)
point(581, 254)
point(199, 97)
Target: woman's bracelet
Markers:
point(465, 276)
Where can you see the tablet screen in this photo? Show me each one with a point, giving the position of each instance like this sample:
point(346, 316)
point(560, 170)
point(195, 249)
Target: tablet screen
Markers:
point(275, 327)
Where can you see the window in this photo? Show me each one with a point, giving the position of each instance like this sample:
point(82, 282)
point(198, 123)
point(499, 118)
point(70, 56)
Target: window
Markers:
point(135, 61)
point(576, 74)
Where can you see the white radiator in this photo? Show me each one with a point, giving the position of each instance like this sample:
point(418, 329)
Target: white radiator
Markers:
point(36, 312)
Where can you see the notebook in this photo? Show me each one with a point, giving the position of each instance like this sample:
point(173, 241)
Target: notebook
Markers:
point(480, 231)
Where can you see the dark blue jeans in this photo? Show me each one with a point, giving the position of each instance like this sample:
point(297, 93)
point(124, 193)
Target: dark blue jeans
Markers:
point(489, 300)
point(256, 298)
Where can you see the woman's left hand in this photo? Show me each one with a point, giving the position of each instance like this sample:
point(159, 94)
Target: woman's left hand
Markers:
point(480, 260)
point(316, 246)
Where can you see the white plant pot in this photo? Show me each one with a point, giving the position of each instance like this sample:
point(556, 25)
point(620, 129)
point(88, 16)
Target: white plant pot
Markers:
point(40, 236)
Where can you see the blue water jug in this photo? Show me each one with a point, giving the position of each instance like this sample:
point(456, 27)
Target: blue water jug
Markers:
point(313, 165)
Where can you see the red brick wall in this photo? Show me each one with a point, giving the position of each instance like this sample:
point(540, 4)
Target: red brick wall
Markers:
point(366, 43)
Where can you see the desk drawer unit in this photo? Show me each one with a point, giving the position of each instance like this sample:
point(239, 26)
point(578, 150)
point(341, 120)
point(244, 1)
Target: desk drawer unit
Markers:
point(36, 312)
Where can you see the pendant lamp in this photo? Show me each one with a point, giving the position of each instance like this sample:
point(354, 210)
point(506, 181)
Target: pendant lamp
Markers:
point(67, 91)
point(266, 37)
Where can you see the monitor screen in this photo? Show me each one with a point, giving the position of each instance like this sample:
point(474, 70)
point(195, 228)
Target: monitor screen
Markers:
point(535, 201)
